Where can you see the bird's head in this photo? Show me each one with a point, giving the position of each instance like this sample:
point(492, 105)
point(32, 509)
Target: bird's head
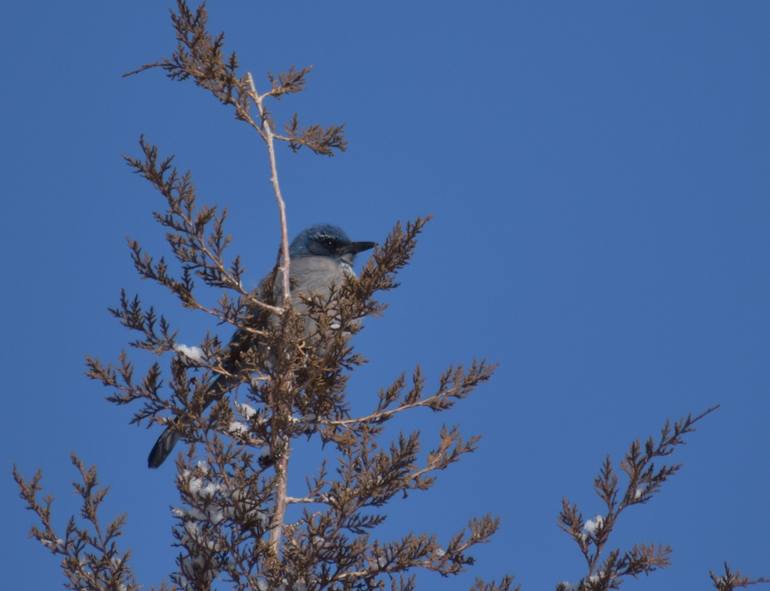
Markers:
point(327, 241)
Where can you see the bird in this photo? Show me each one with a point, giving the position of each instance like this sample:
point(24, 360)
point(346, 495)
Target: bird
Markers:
point(321, 257)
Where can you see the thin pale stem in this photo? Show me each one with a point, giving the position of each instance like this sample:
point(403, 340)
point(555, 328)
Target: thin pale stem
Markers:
point(378, 416)
point(307, 500)
point(269, 137)
point(281, 500)
point(282, 465)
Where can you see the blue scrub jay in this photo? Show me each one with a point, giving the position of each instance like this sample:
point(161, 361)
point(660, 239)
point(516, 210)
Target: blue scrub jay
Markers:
point(321, 256)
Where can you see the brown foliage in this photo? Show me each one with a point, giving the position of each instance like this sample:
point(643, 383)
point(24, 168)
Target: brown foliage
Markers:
point(733, 579)
point(89, 553)
point(644, 479)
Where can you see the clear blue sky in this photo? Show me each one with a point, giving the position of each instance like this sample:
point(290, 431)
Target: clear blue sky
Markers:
point(599, 176)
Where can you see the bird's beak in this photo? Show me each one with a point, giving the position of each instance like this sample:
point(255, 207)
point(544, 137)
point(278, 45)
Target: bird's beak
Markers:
point(356, 247)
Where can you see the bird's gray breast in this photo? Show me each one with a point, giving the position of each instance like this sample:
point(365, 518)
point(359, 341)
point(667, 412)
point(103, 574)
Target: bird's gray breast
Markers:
point(312, 276)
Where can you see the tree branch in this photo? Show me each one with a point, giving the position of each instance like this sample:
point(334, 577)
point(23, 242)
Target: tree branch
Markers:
point(268, 135)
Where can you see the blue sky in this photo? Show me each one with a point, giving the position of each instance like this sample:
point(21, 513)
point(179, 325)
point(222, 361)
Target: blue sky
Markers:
point(598, 173)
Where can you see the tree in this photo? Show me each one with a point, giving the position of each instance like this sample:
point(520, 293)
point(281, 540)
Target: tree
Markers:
point(233, 524)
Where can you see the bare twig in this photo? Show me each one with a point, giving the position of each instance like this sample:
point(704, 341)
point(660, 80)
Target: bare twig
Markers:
point(281, 501)
point(269, 137)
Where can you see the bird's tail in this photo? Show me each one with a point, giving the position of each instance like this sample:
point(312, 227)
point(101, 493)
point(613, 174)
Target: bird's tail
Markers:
point(163, 447)
point(167, 440)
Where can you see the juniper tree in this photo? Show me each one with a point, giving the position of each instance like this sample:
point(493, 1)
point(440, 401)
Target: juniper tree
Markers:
point(232, 526)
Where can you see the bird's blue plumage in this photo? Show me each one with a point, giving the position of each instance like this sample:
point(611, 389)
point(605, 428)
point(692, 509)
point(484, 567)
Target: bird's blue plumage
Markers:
point(319, 240)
